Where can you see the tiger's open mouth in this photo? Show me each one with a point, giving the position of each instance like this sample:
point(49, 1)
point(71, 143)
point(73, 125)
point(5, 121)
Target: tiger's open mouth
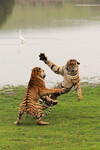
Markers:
point(44, 76)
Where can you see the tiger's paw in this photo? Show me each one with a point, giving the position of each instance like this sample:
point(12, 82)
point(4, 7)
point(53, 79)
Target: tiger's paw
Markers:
point(54, 102)
point(80, 98)
point(42, 123)
point(43, 57)
point(51, 102)
point(17, 122)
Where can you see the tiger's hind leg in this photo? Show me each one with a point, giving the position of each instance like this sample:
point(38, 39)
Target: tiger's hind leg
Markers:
point(18, 119)
point(20, 113)
point(39, 115)
point(79, 91)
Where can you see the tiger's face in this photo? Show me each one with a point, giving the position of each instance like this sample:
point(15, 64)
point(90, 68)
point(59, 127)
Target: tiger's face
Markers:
point(37, 71)
point(72, 67)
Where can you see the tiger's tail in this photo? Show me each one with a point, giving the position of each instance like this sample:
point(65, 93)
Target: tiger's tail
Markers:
point(48, 112)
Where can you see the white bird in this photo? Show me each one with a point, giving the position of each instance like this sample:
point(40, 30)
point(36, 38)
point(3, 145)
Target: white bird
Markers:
point(22, 39)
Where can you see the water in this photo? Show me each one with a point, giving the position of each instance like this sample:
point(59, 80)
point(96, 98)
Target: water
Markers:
point(61, 29)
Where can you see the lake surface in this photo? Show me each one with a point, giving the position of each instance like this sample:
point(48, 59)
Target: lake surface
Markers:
point(60, 29)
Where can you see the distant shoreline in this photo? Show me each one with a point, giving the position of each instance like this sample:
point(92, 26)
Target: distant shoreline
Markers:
point(52, 84)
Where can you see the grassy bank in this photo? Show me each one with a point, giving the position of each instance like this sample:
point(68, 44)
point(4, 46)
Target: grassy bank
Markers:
point(73, 125)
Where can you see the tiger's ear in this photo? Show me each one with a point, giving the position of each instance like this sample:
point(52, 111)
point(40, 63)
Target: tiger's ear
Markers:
point(78, 63)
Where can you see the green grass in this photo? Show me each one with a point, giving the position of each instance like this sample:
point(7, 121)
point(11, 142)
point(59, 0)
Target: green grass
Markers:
point(73, 125)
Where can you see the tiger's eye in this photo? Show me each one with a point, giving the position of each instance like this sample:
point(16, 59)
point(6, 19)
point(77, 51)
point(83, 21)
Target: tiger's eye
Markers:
point(38, 69)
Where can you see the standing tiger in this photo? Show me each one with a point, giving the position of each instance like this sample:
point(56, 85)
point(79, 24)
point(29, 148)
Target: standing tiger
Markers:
point(36, 88)
point(70, 73)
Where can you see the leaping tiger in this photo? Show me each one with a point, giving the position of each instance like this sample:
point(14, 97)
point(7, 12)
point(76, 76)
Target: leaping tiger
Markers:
point(35, 89)
point(70, 73)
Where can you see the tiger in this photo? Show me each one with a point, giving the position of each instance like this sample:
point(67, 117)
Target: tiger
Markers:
point(70, 73)
point(35, 89)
